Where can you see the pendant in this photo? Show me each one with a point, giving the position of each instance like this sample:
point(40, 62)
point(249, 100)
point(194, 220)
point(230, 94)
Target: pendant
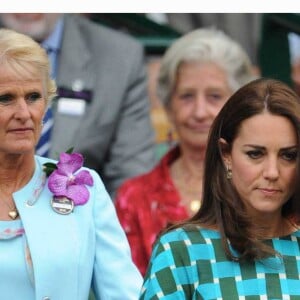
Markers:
point(62, 205)
point(13, 214)
point(195, 205)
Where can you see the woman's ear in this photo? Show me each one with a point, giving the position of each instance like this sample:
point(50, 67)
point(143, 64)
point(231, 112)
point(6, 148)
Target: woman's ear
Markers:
point(225, 151)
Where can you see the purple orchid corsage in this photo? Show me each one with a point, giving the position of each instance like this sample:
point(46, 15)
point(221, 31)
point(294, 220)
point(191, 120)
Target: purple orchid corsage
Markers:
point(65, 182)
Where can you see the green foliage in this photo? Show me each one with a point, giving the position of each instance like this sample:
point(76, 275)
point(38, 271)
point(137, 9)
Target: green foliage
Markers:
point(49, 168)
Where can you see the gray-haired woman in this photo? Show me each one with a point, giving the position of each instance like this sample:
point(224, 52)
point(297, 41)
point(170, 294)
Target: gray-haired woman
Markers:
point(198, 73)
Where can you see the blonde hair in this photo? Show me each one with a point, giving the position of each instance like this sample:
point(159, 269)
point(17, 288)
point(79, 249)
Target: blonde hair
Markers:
point(205, 45)
point(23, 55)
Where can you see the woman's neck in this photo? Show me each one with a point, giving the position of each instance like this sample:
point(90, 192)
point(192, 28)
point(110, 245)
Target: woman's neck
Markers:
point(274, 226)
point(15, 172)
point(187, 173)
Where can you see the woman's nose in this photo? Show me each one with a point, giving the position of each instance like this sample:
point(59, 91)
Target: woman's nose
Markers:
point(271, 169)
point(200, 107)
point(22, 109)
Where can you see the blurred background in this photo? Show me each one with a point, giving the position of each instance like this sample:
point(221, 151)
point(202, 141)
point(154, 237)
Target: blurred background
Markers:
point(270, 39)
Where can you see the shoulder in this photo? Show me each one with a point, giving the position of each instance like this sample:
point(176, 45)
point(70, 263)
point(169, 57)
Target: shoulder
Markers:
point(188, 236)
point(132, 194)
point(97, 33)
point(157, 176)
point(144, 180)
point(194, 244)
point(143, 186)
point(296, 234)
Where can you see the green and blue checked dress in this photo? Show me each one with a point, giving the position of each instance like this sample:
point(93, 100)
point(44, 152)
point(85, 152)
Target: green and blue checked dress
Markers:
point(191, 264)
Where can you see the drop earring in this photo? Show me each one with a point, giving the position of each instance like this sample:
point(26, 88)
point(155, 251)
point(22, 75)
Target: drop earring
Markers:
point(228, 172)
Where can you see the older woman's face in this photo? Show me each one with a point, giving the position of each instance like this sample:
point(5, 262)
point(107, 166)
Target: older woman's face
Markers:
point(22, 106)
point(200, 92)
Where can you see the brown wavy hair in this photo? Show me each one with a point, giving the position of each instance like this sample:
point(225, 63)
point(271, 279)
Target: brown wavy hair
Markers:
point(221, 206)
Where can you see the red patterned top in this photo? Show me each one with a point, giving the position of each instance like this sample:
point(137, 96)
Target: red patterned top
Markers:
point(146, 204)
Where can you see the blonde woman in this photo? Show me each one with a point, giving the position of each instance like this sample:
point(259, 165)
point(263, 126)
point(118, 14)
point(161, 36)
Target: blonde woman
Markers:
point(59, 234)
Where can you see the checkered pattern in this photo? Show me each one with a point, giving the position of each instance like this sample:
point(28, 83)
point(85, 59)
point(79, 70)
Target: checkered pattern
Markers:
point(192, 265)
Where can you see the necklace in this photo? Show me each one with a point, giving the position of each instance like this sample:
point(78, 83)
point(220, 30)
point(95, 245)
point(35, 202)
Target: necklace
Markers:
point(195, 205)
point(192, 205)
point(13, 212)
point(188, 185)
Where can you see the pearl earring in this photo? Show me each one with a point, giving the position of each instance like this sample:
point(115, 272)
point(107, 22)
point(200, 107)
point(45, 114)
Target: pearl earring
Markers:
point(228, 172)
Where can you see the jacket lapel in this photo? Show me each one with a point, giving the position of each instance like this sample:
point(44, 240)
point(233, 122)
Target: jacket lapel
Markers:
point(54, 259)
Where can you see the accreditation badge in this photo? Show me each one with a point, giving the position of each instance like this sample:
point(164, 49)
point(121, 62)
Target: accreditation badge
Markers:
point(62, 205)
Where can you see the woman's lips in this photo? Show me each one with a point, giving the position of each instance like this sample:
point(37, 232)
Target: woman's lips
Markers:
point(21, 130)
point(269, 192)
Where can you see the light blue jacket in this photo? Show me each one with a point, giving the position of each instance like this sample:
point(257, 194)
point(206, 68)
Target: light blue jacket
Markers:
point(71, 253)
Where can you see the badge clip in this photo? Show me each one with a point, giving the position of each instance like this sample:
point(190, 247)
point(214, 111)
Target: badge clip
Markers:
point(62, 205)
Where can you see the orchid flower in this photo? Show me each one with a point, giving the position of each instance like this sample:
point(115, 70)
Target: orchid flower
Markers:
point(65, 182)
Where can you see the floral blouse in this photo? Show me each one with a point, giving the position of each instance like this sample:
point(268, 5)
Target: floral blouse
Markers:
point(147, 204)
point(15, 260)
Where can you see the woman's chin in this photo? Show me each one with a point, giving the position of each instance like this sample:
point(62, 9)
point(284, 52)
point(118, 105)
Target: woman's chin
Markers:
point(21, 149)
